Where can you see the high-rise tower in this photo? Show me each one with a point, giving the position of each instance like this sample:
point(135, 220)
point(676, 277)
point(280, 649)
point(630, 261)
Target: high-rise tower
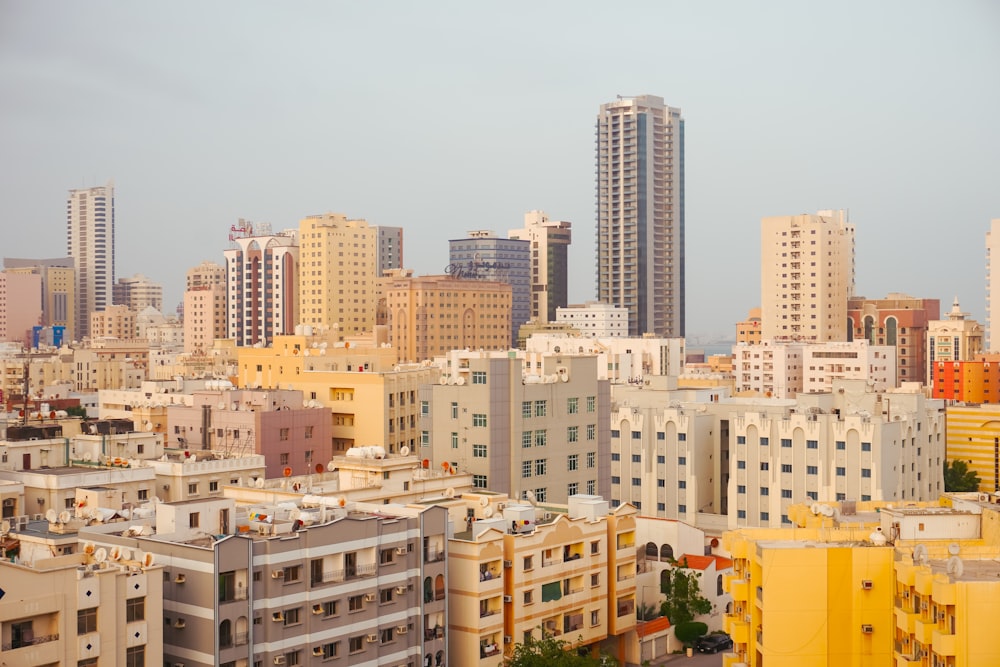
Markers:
point(90, 241)
point(640, 213)
point(992, 342)
point(550, 241)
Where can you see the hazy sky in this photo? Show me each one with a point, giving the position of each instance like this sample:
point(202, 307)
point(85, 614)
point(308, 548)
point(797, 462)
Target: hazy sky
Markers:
point(442, 117)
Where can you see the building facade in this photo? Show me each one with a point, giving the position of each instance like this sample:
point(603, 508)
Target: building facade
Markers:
point(550, 241)
point(204, 307)
point(113, 322)
point(595, 320)
point(90, 242)
point(389, 248)
point(897, 320)
point(992, 335)
point(807, 276)
point(20, 306)
point(640, 213)
point(138, 292)
point(956, 338)
point(262, 275)
point(58, 290)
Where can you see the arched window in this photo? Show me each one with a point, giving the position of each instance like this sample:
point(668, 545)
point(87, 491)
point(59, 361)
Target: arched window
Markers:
point(718, 585)
point(664, 581)
point(890, 331)
point(225, 633)
point(439, 587)
point(439, 659)
point(870, 329)
point(652, 552)
point(428, 590)
point(666, 552)
point(241, 630)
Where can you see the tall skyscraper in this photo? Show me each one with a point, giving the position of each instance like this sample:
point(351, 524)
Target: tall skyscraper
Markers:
point(992, 342)
point(807, 276)
point(90, 241)
point(204, 307)
point(337, 279)
point(640, 213)
point(262, 275)
point(550, 241)
point(485, 256)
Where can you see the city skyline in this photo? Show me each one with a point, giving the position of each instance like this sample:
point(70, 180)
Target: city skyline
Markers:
point(441, 121)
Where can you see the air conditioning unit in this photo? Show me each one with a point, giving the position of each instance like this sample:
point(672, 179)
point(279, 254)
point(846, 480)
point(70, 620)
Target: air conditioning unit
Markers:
point(984, 497)
point(401, 629)
point(508, 563)
point(867, 628)
point(867, 584)
point(369, 597)
point(400, 551)
point(278, 574)
point(923, 605)
point(507, 639)
point(508, 598)
point(279, 660)
point(317, 651)
point(500, 506)
point(317, 609)
point(548, 516)
point(401, 590)
point(277, 617)
point(372, 638)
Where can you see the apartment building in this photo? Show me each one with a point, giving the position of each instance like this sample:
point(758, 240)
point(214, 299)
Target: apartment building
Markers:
point(204, 307)
point(262, 282)
point(65, 605)
point(550, 240)
point(991, 341)
point(620, 360)
point(956, 338)
point(973, 432)
point(519, 422)
point(20, 306)
point(595, 320)
point(295, 586)
point(113, 322)
point(110, 363)
point(90, 242)
point(339, 267)
point(58, 278)
point(432, 315)
point(138, 292)
point(807, 276)
point(897, 320)
point(748, 331)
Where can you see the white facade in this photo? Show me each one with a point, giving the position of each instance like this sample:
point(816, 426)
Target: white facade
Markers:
point(262, 287)
point(595, 320)
point(90, 241)
point(138, 292)
point(822, 363)
point(618, 359)
point(992, 287)
point(807, 275)
point(770, 369)
point(954, 339)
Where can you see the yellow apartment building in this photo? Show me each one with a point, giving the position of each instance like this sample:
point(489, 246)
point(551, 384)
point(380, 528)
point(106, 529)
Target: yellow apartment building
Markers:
point(973, 432)
point(520, 571)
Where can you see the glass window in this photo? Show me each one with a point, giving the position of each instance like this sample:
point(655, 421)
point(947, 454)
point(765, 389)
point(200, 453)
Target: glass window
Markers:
point(572, 405)
point(86, 621)
point(478, 377)
point(479, 419)
point(527, 437)
point(572, 433)
point(541, 438)
point(572, 462)
point(591, 459)
point(591, 403)
point(479, 481)
point(135, 610)
point(526, 467)
point(540, 466)
point(541, 408)
point(525, 409)
point(479, 451)
point(812, 444)
point(591, 431)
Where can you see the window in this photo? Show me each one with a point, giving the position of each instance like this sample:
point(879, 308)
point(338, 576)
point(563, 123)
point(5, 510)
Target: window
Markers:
point(867, 447)
point(591, 487)
point(86, 621)
point(841, 444)
point(591, 459)
point(526, 468)
point(454, 440)
point(385, 594)
point(478, 377)
point(765, 516)
point(682, 484)
point(425, 438)
point(135, 610)
point(331, 607)
point(786, 493)
point(812, 444)
point(479, 451)
point(765, 465)
point(812, 495)
point(193, 489)
point(682, 509)
point(283, 433)
point(356, 644)
point(479, 481)
point(615, 433)
point(527, 437)
point(143, 494)
point(741, 465)
point(540, 466)
point(541, 407)
point(660, 458)
point(786, 442)
point(292, 616)
point(786, 467)
point(425, 408)
point(615, 479)
point(525, 409)
point(812, 470)
point(636, 481)
point(527, 563)
point(331, 650)
point(764, 442)
point(660, 435)
point(841, 472)
point(661, 483)
point(741, 440)
point(681, 437)
point(454, 410)
point(595, 617)
point(682, 460)
point(528, 597)
point(385, 556)
point(193, 519)
point(741, 488)
point(572, 406)
point(135, 656)
point(572, 488)
point(764, 491)
point(572, 433)
point(541, 438)
point(479, 419)
point(741, 514)
point(572, 462)
point(213, 487)
point(292, 573)
point(591, 431)
point(591, 403)
point(615, 456)
point(866, 472)
point(356, 603)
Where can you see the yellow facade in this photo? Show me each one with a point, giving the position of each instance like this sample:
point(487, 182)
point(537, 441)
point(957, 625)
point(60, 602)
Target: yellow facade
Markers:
point(974, 437)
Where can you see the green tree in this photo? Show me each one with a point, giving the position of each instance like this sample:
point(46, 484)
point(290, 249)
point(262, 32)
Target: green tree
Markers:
point(958, 477)
point(551, 652)
point(690, 631)
point(683, 599)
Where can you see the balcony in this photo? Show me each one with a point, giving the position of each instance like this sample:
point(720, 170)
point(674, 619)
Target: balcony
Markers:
point(906, 620)
point(943, 644)
point(923, 630)
point(33, 641)
point(626, 607)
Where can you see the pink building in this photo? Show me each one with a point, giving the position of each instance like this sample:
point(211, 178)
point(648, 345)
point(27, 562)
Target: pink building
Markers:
point(20, 306)
point(273, 422)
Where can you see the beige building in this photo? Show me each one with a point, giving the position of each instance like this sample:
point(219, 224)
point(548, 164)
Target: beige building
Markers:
point(58, 289)
point(992, 335)
point(807, 276)
point(204, 308)
point(110, 363)
point(618, 359)
point(957, 338)
point(519, 423)
point(550, 241)
point(138, 293)
point(595, 320)
point(338, 262)
point(748, 331)
point(113, 322)
point(432, 315)
point(20, 306)
point(90, 242)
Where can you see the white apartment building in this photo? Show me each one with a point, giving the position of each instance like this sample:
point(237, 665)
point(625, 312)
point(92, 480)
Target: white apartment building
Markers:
point(957, 338)
point(807, 275)
point(90, 241)
point(204, 307)
point(783, 369)
point(262, 275)
point(595, 320)
point(519, 422)
point(550, 241)
point(618, 359)
point(992, 337)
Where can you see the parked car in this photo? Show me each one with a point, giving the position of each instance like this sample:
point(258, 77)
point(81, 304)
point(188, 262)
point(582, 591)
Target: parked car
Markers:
point(713, 643)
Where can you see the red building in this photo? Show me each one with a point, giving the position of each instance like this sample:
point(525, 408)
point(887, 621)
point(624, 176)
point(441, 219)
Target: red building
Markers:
point(898, 320)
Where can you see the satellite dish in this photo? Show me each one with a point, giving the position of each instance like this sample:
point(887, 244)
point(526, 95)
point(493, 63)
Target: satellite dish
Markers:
point(530, 495)
point(88, 548)
point(449, 492)
point(87, 457)
point(65, 516)
point(222, 405)
point(147, 559)
point(5, 526)
point(51, 516)
point(919, 554)
point(295, 514)
point(156, 500)
point(126, 554)
point(239, 481)
point(259, 483)
point(488, 512)
point(404, 451)
point(331, 466)
point(814, 508)
point(953, 548)
point(101, 555)
point(828, 510)
point(484, 502)
point(116, 553)
point(954, 566)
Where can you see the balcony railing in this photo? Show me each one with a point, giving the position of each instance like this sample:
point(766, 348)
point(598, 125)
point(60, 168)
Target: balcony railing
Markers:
point(241, 638)
point(433, 556)
point(34, 641)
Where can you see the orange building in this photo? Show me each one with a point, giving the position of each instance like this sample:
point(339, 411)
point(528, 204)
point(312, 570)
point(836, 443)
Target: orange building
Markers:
point(748, 331)
point(968, 381)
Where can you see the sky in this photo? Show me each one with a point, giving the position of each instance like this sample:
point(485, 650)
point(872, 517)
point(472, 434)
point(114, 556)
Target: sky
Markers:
point(445, 117)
